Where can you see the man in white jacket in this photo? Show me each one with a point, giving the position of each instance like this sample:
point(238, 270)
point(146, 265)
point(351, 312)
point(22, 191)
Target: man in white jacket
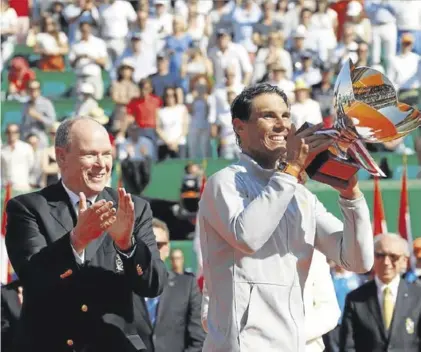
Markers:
point(259, 227)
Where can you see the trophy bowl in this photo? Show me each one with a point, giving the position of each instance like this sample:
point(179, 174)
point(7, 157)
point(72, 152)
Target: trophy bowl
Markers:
point(367, 110)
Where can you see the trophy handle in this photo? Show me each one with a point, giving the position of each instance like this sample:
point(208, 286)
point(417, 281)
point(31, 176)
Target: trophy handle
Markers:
point(361, 155)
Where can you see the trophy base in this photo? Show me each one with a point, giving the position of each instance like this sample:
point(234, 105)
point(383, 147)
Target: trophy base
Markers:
point(329, 169)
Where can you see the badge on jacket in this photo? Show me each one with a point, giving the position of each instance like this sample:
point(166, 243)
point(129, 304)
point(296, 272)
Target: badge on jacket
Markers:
point(119, 264)
point(409, 325)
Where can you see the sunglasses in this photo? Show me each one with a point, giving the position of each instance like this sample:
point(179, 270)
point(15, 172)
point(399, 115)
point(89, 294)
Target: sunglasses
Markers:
point(392, 257)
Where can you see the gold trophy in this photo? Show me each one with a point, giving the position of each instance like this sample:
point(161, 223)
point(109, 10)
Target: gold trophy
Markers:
point(367, 110)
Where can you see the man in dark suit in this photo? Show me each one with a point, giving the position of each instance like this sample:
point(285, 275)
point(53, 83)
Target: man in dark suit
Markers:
point(385, 313)
point(80, 250)
point(11, 303)
point(171, 322)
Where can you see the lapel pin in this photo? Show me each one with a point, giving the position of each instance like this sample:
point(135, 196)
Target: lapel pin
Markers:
point(409, 325)
point(171, 283)
point(405, 295)
point(67, 273)
point(119, 264)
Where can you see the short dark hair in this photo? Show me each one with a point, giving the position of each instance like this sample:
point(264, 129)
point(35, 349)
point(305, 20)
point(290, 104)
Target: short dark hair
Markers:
point(241, 106)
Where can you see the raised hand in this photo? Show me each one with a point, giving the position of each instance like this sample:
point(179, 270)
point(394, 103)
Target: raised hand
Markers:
point(92, 222)
point(122, 229)
point(297, 149)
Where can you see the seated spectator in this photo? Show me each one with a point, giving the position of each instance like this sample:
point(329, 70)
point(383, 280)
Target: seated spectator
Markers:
point(202, 108)
point(56, 11)
point(36, 174)
point(363, 52)
point(17, 160)
point(304, 108)
point(346, 48)
point(197, 27)
point(38, 114)
point(172, 127)
point(267, 24)
point(162, 18)
point(50, 167)
point(143, 109)
point(85, 102)
point(19, 76)
point(123, 90)
point(8, 30)
point(88, 57)
point(300, 45)
point(52, 45)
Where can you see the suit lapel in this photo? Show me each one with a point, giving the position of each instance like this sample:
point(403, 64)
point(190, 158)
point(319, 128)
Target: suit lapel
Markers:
point(143, 309)
point(95, 244)
point(374, 307)
point(61, 208)
point(401, 307)
point(165, 298)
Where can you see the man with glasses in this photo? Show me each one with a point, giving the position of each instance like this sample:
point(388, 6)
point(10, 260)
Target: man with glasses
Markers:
point(17, 159)
point(170, 322)
point(385, 313)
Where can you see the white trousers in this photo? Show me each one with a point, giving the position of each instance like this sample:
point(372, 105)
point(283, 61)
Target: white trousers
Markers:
point(384, 36)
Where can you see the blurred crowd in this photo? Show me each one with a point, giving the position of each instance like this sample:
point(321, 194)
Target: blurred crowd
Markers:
point(175, 66)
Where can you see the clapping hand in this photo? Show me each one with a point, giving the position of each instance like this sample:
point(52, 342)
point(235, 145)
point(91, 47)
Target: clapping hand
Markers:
point(92, 222)
point(122, 229)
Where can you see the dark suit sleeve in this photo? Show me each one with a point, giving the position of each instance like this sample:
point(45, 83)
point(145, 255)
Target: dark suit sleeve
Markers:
point(346, 339)
point(6, 337)
point(195, 335)
point(37, 264)
point(145, 268)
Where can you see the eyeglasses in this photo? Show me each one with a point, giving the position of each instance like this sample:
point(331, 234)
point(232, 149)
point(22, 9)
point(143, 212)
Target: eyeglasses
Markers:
point(392, 257)
point(12, 132)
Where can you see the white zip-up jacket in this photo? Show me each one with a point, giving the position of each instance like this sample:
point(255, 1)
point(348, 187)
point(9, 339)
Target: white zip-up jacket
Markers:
point(258, 230)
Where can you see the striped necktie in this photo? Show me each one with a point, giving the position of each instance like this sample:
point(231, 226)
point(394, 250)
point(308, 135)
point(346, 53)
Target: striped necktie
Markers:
point(388, 307)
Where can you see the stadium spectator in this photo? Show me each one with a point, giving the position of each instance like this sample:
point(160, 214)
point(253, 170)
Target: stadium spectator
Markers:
point(88, 57)
point(172, 126)
point(85, 102)
point(408, 15)
point(308, 73)
point(197, 64)
point(177, 261)
point(355, 18)
point(38, 114)
point(36, 174)
point(323, 92)
point(143, 109)
point(8, 31)
point(122, 91)
point(278, 77)
point(17, 159)
point(304, 109)
point(115, 18)
point(52, 45)
point(266, 25)
point(19, 76)
point(78, 12)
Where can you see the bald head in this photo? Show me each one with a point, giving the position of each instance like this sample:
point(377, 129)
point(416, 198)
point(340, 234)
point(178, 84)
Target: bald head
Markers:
point(84, 155)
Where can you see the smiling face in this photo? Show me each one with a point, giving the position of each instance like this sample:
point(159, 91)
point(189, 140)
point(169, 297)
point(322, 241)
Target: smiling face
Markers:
point(86, 163)
point(263, 136)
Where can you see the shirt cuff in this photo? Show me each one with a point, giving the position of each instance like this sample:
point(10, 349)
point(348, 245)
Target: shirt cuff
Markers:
point(80, 258)
point(129, 252)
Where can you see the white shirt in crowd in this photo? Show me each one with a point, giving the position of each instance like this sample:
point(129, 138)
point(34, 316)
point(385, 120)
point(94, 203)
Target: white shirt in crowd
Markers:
point(405, 71)
point(142, 146)
point(408, 14)
point(234, 56)
point(48, 43)
point(287, 86)
point(116, 19)
point(16, 165)
point(171, 122)
point(308, 111)
point(393, 286)
point(321, 306)
point(72, 11)
point(94, 47)
point(8, 19)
